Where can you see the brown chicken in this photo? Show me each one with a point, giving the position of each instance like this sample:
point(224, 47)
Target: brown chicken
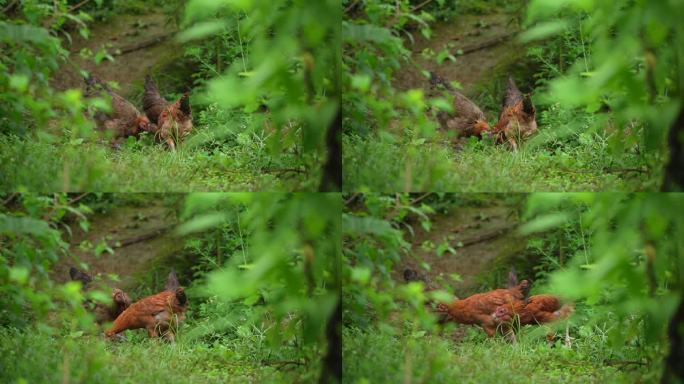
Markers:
point(124, 119)
point(517, 118)
point(467, 119)
point(103, 312)
point(173, 120)
point(478, 309)
point(538, 309)
point(172, 282)
point(159, 314)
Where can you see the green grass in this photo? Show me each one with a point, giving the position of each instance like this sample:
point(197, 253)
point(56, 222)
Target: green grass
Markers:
point(36, 357)
point(386, 357)
point(381, 163)
point(35, 165)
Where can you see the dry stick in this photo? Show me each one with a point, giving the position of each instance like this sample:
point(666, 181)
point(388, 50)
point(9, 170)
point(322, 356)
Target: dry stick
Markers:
point(9, 6)
point(77, 198)
point(421, 5)
point(283, 362)
point(10, 198)
point(79, 5)
point(627, 362)
point(352, 198)
point(610, 170)
point(283, 170)
point(351, 6)
point(486, 44)
point(420, 198)
point(143, 237)
point(486, 236)
point(143, 45)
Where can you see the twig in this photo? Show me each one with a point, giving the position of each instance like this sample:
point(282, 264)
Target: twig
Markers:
point(143, 45)
point(9, 6)
point(420, 198)
point(10, 198)
point(611, 170)
point(625, 362)
point(283, 170)
point(77, 198)
point(486, 44)
point(79, 5)
point(351, 6)
point(421, 5)
point(486, 236)
point(282, 362)
point(143, 237)
point(352, 198)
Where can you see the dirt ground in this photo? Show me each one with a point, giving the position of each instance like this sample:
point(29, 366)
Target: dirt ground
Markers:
point(145, 236)
point(462, 33)
point(121, 32)
point(481, 236)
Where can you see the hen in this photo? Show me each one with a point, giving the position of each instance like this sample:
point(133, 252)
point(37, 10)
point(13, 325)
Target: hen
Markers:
point(467, 118)
point(173, 120)
point(538, 309)
point(103, 312)
point(477, 309)
point(171, 281)
point(124, 119)
point(517, 118)
point(159, 314)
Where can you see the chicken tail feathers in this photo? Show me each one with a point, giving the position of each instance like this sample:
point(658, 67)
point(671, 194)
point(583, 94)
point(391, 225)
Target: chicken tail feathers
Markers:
point(528, 107)
point(513, 94)
point(77, 275)
point(436, 80)
point(153, 102)
point(185, 104)
point(172, 281)
point(512, 278)
point(524, 287)
point(180, 296)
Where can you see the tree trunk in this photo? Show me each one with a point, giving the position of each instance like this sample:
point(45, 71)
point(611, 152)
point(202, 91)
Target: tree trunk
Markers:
point(332, 363)
point(332, 171)
point(674, 171)
point(674, 367)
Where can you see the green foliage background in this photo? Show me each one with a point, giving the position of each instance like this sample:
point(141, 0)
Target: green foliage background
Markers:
point(605, 99)
point(264, 84)
point(616, 256)
point(261, 272)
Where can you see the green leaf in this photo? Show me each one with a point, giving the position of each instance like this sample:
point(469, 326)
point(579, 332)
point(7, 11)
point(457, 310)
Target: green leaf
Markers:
point(544, 223)
point(19, 82)
point(544, 30)
point(201, 30)
point(19, 275)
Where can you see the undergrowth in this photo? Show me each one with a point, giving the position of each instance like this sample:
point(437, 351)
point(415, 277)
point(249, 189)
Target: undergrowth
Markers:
point(384, 164)
point(220, 155)
point(77, 358)
point(476, 359)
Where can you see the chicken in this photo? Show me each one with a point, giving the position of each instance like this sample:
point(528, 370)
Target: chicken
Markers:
point(81, 276)
point(174, 120)
point(413, 275)
point(517, 118)
point(124, 119)
point(478, 309)
point(160, 314)
point(103, 312)
point(538, 309)
point(467, 118)
point(171, 282)
point(512, 278)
